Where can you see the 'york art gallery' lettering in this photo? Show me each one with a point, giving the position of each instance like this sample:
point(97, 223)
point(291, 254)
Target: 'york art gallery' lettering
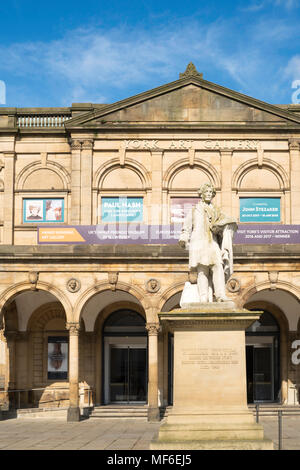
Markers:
point(142, 144)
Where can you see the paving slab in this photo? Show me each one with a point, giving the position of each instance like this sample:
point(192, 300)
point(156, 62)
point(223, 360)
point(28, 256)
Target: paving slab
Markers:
point(31, 434)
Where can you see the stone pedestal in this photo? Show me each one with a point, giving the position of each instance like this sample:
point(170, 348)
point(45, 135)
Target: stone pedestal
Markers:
point(210, 398)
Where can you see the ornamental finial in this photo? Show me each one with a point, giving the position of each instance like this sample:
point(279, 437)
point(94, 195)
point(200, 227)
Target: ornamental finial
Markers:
point(190, 71)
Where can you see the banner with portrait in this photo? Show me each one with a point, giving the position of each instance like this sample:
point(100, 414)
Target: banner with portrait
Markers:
point(43, 210)
point(58, 347)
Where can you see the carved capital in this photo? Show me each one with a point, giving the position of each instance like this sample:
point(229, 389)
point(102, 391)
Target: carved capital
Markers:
point(75, 144)
point(73, 328)
point(153, 328)
point(87, 144)
point(293, 144)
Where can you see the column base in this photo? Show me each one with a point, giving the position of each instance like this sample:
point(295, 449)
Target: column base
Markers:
point(73, 414)
point(153, 415)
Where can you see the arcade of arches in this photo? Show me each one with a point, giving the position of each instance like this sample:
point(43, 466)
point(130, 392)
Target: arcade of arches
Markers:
point(115, 352)
point(79, 313)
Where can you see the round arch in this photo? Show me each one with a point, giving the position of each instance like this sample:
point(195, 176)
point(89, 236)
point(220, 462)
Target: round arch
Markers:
point(45, 313)
point(173, 290)
point(283, 324)
point(182, 164)
point(11, 293)
point(268, 164)
point(103, 286)
point(35, 166)
point(130, 164)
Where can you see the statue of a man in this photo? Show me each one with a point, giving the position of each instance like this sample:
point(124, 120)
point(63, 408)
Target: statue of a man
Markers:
point(207, 233)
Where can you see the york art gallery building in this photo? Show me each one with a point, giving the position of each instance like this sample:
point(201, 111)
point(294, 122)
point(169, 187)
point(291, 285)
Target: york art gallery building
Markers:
point(92, 198)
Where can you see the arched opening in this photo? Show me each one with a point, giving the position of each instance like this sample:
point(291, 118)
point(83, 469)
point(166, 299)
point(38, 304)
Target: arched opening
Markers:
point(263, 360)
point(36, 343)
point(125, 358)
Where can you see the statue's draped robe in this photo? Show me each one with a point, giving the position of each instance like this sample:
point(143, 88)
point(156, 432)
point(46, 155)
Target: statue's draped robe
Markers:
point(208, 234)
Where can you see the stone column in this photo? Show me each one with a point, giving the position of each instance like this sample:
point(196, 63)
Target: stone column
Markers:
point(9, 170)
point(226, 197)
point(75, 181)
point(153, 410)
point(73, 411)
point(295, 181)
point(86, 181)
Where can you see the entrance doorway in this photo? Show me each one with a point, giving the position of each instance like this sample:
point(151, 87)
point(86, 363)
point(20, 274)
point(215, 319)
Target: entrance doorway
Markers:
point(127, 382)
point(125, 358)
point(262, 360)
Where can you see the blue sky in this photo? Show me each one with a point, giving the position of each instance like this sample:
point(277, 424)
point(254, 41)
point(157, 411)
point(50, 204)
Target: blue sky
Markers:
point(58, 52)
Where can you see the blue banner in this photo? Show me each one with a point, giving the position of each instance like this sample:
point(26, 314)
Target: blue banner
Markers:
point(260, 209)
point(121, 209)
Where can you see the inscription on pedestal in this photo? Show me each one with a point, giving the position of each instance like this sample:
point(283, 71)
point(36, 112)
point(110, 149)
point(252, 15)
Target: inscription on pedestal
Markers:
point(211, 358)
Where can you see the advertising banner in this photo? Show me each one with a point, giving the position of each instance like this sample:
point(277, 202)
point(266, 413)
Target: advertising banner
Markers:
point(57, 358)
point(140, 234)
point(260, 209)
point(180, 206)
point(43, 210)
point(121, 209)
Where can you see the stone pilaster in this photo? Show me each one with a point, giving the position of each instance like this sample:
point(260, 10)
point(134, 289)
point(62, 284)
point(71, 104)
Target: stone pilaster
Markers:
point(86, 181)
point(153, 411)
point(73, 411)
point(75, 145)
point(226, 169)
point(156, 196)
point(11, 338)
point(8, 211)
point(295, 180)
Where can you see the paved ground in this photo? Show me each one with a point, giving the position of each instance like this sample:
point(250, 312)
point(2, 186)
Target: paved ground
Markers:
point(98, 434)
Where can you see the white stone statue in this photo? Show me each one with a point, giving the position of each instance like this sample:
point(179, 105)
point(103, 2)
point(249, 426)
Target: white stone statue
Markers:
point(207, 233)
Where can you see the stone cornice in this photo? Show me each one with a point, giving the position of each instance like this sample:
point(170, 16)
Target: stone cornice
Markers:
point(123, 253)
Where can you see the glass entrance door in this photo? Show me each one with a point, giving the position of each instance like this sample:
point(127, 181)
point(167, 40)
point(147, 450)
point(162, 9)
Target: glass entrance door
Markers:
point(128, 365)
point(260, 373)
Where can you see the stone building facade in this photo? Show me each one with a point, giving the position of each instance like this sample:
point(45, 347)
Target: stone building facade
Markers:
point(96, 305)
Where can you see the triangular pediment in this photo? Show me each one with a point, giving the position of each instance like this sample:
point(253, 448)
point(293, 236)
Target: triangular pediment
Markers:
point(189, 100)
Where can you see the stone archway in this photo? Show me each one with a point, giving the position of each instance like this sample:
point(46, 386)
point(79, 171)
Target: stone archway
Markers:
point(281, 319)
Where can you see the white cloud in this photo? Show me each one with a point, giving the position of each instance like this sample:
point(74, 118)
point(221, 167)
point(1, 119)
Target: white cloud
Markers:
point(94, 65)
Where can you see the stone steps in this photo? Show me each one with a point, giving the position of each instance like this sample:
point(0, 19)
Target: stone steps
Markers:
point(120, 412)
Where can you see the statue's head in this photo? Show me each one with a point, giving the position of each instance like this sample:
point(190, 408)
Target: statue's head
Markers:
point(207, 191)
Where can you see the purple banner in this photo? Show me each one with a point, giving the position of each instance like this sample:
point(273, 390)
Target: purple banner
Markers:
point(141, 234)
point(267, 234)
